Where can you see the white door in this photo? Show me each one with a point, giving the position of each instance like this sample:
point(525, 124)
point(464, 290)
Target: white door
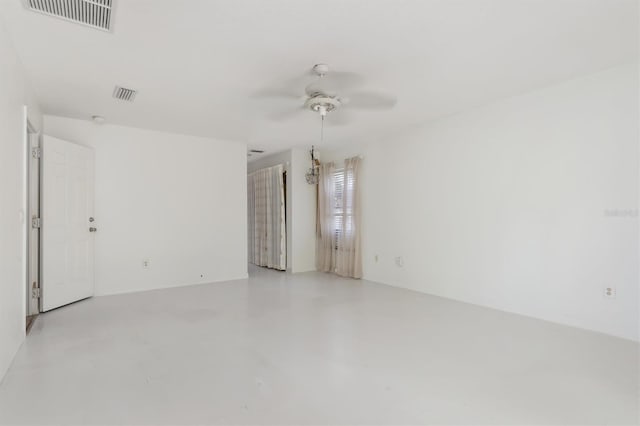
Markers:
point(68, 229)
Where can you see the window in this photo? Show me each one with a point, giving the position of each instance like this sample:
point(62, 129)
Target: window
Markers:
point(343, 220)
point(338, 244)
point(338, 211)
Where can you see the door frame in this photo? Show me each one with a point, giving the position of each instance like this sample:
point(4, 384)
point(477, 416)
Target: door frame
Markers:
point(32, 139)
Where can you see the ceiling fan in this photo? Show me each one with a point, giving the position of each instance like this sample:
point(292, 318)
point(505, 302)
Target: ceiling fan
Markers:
point(328, 95)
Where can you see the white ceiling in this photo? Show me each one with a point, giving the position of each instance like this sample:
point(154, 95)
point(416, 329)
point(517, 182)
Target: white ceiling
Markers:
point(197, 62)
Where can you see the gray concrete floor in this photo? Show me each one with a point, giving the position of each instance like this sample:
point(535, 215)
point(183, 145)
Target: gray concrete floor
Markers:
point(312, 348)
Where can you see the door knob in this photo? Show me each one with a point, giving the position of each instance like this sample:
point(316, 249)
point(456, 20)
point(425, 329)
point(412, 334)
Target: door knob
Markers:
point(92, 229)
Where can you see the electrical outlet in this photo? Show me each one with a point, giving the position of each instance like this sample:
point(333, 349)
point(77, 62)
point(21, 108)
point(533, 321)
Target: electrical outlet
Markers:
point(399, 262)
point(610, 292)
point(146, 263)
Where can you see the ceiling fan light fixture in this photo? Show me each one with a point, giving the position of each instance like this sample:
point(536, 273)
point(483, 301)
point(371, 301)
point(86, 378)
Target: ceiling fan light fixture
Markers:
point(322, 104)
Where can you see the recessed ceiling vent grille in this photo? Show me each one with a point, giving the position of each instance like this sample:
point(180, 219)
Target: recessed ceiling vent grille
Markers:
point(124, 94)
point(92, 13)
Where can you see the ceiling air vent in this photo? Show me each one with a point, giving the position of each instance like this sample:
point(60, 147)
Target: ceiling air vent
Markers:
point(256, 151)
point(92, 13)
point(124, 94)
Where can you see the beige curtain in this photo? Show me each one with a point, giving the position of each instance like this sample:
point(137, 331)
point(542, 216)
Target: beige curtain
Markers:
point(338, 228)
point(349, 253)
point(325, 239)
point(267, 237)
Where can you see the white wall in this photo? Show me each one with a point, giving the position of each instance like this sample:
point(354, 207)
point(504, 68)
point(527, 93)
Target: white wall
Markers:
point(15, 93)
point(179, 201)
point(526, 205)
point(301, 207)
point(303, 213)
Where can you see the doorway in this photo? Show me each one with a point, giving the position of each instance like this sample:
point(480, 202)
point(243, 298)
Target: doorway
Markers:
point(266, 213)
point(60, 225)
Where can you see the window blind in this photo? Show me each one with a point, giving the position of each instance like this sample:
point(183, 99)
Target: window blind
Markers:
point(342, 204)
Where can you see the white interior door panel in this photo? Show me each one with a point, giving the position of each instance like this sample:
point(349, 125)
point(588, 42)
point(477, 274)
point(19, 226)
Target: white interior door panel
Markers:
point(67, 212)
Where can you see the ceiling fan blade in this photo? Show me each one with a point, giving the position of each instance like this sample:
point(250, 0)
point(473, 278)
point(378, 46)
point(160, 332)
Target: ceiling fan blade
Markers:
point(338, 118)
point(334, 82)
point(285, 114)
point(283, 93)
point(370, 100)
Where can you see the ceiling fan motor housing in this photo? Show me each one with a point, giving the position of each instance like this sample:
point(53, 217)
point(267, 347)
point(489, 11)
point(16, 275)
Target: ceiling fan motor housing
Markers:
point(321, 69)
